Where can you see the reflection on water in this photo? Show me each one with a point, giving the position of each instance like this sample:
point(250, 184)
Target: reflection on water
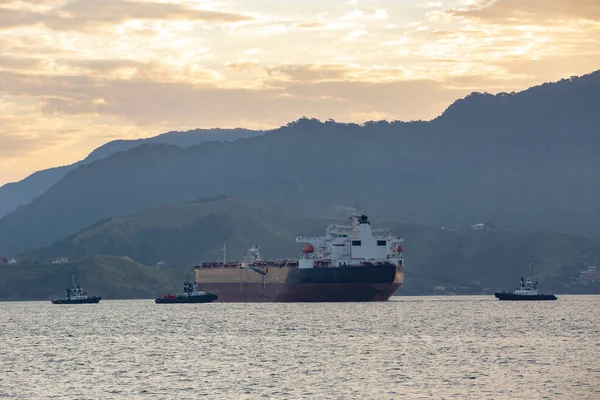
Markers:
point(411, 347)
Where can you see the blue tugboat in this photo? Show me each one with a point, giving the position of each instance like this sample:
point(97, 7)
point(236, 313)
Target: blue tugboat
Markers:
point(76, 295)
point(191, 294)
point(527, 290)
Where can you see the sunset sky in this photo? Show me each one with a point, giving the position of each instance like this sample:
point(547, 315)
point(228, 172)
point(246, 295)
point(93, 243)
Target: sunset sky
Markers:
point(76, 74)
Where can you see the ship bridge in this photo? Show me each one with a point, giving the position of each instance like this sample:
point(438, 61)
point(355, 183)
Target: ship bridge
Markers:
point(356, 244)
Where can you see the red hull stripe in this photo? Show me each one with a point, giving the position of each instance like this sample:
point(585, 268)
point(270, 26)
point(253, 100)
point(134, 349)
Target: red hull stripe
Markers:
point(302, 292)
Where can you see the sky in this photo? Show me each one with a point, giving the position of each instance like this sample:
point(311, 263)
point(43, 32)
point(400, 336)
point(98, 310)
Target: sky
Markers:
point(77, 74)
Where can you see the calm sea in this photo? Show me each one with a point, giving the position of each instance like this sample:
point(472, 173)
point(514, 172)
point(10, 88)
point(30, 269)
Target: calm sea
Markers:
point(408, 348)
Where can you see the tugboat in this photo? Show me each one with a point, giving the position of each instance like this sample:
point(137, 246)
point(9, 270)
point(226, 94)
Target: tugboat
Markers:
point(76, 295)
point(527, 290)
point(191, 294)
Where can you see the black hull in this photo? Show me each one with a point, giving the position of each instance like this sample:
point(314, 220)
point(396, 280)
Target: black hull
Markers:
point(207, 298)
point(339, 284)
point(89, 300)
point(521, 297)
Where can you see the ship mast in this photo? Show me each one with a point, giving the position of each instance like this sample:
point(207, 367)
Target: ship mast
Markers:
point(531, 269)
point(224, 253)
point(356, 207)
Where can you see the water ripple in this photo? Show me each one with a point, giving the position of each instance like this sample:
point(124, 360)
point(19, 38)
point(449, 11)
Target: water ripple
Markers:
point(417, 348)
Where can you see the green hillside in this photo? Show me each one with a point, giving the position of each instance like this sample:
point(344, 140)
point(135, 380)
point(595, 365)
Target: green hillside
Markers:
point(107, 276)
point(185, 234)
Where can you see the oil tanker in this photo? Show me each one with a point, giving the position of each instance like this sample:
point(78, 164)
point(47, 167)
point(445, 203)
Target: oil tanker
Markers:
point(349, 263)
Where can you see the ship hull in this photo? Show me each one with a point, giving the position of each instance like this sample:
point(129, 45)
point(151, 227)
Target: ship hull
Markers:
point(89, 300)
point(521, 297)
point(341, 284)
point(207, 298)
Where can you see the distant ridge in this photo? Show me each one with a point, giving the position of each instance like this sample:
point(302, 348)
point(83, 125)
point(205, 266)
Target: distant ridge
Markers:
point(545, 101)
point(528, 161)
point(19, 193)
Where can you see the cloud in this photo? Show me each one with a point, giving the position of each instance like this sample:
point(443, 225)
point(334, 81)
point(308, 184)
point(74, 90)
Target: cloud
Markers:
point(355, 15)
point(73, 72)
point(26, 134)
point(17, 142)
point(85, 14)
point(531, 11)
point(243, 64)
point(158, 104)
point(327, 72)
point(102, 65)
point(34, 142)
point(15, 63)
point(151, 70)
point(431, 4)
point(309, 25)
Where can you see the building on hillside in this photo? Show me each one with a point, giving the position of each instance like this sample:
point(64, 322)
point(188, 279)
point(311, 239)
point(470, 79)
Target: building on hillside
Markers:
point(61, 260)
point(592, 275)
point(439, 289)
point(12, 261)
point(161, 265)
point(3, 260)
point(478, 227)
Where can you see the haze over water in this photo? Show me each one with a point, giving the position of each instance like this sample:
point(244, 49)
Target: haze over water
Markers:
point(416, 348)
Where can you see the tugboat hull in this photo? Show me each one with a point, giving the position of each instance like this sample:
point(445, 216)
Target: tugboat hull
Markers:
point(89, 300)
point(521, 297)
point(206, 298)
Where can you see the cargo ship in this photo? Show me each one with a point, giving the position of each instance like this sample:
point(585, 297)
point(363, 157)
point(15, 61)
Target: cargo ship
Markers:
point(350, 263)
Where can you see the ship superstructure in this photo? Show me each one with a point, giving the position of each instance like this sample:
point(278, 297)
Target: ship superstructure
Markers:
point(350, 263)
point(353, 245)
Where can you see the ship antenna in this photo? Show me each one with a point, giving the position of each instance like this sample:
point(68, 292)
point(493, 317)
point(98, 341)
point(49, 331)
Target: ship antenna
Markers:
point(356, 206)
point(73, 280)
point(224, 254)
point(531, 270)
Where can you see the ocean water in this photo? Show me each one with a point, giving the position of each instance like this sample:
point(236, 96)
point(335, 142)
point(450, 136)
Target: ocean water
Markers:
point(407, 348)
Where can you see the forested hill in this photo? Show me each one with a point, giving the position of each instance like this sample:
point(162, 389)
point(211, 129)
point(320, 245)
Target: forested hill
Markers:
point(19, 193)
point(527, 161)
point(180, 235)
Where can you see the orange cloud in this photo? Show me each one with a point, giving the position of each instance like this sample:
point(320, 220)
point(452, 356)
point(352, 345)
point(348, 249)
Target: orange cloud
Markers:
point(532, 11)
point(92, 13)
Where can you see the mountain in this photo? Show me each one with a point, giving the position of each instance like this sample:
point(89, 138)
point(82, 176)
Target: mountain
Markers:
point(182, 235)
point(15, 194)
point(527, 161)
point(107, 276)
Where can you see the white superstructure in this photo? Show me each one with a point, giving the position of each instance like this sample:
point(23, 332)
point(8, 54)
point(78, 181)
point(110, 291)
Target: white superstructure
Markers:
point(192, 289)
point(75, 293)
point(527, 288)
point(353, 245)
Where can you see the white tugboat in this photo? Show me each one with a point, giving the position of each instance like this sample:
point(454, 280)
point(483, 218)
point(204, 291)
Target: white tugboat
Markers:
point(527, 290)
point(76, 295)
point(191, 294)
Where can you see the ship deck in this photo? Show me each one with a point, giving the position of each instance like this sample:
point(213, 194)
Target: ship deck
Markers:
point(288, 264)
